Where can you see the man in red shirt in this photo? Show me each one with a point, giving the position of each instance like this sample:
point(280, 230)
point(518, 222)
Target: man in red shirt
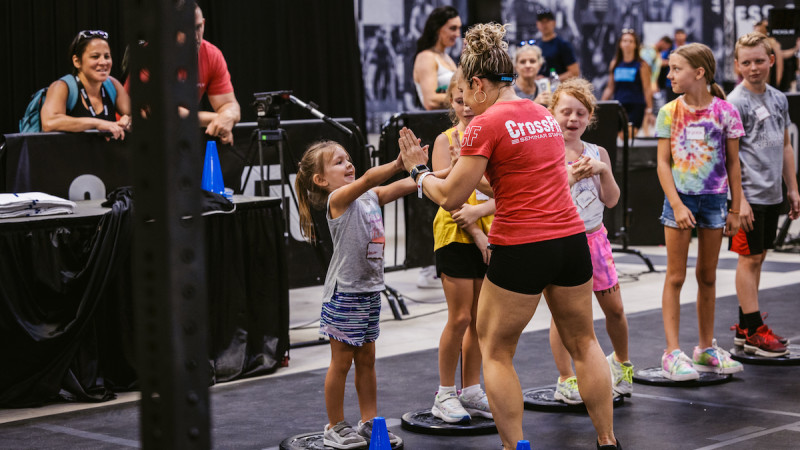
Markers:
point(213, 78)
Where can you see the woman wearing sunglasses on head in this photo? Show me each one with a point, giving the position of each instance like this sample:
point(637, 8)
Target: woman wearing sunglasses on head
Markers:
point(629, 81)
point(97, 96)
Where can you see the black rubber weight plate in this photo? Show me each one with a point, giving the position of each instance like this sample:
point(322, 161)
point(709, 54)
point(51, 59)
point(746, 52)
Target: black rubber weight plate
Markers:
point(792, 359)
point(424, 422)
point(653, 377)
point(541, 399)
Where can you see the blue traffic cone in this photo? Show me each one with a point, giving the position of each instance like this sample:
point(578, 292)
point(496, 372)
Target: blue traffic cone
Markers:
point(523, 445)
point(212, 170)
point(380, 435)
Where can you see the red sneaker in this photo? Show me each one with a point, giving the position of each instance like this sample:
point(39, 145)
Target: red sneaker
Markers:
point(764, 343)
point(740, 336)
point(781, 339)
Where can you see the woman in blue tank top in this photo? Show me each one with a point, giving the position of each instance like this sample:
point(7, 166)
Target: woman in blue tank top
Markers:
point(629, 81)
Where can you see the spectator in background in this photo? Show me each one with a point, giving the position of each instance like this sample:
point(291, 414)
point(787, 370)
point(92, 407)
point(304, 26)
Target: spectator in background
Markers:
point(433, 68)
point(94, 108)
point(629, 81)
point(783, 73)
point(528, 61)
point(214, 79)
point(664, 47)
point(558, 53)
point(680, 40)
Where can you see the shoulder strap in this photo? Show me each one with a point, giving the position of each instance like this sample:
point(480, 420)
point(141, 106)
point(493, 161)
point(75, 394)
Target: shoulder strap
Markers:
point(111, 90)
point(72, 86)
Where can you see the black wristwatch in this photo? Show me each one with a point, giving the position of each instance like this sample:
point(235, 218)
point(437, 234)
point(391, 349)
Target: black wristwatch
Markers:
point(418, 169)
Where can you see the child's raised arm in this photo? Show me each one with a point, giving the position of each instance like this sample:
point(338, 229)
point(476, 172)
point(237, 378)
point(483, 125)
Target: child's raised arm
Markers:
point(341, 198)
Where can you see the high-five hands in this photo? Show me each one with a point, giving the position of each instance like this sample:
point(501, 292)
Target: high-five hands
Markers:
point(410, 151)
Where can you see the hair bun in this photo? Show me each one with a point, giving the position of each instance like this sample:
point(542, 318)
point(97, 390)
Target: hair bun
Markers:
point(484, 37)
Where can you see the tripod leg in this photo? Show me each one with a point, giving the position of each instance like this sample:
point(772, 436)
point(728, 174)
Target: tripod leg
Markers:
point(641, 255)
point(782, 232)
point(399, 298)
point(392, 300)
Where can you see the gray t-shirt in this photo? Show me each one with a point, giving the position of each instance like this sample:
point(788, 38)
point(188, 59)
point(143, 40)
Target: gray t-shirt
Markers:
point(765, 118)
point(358, 242)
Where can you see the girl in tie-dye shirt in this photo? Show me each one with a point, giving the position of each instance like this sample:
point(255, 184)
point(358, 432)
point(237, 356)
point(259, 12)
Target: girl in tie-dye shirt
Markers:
point(698, 161)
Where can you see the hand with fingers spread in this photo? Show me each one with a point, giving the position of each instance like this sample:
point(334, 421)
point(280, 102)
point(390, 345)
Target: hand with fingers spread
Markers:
point(410, 151)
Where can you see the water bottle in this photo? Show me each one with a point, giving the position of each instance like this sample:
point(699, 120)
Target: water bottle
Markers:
point(553, 80)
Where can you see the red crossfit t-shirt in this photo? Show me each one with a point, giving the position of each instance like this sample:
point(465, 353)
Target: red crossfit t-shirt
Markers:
point(526, 169)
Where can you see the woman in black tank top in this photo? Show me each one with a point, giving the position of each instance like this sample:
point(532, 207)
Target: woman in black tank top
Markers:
point(95, 107)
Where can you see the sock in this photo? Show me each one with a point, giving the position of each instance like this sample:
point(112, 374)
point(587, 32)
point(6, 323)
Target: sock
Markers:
point(469, 390)
point(445, 389)
point(741, 318)
point(752, 321)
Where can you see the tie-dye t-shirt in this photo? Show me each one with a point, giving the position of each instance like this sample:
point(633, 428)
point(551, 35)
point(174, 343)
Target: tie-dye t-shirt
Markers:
point(698, 139)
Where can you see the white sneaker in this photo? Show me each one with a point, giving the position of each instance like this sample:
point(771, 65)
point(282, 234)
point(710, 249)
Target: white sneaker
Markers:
point(342, 435)
point(427, 278)
point(567, 391)
point(621, 376)
point(476, 404)
point(448, 408)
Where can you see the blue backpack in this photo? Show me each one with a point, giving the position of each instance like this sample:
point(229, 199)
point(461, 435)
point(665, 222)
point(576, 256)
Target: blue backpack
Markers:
point(31, 122)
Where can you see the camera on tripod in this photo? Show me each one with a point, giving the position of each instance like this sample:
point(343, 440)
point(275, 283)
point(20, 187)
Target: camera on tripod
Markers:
point(268, 108)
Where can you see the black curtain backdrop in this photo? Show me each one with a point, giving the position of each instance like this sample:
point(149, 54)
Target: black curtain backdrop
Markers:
point(307, 46)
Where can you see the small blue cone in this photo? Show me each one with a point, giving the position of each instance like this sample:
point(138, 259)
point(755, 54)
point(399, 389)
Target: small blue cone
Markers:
point(380, 435)
point(523, 445)
point(212, 170)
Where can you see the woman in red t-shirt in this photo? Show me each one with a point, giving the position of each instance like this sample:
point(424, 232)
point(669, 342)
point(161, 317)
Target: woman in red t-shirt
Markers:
point(518, 145)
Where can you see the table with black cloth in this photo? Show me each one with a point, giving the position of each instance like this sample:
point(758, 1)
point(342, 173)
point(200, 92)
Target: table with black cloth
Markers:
point(66, 308)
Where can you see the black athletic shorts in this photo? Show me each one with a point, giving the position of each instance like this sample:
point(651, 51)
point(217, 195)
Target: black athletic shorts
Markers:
point(529, 268)
point(459, 260)
point(635, 113)
point(762, 236)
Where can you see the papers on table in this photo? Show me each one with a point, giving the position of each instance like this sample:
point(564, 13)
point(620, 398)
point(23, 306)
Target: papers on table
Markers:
point(33, 204)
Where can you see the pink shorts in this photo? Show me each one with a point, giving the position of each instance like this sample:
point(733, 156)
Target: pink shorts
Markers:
point(604, 272)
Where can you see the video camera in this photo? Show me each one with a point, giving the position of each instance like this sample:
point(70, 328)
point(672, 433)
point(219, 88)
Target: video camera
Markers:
point(268, 108)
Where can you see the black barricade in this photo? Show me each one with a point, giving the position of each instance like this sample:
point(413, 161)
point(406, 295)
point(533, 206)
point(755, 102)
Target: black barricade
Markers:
point(50, 163)
point(640, 191)
point(419, 212)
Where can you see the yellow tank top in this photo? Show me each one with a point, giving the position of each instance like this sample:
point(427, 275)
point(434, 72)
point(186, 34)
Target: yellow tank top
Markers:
point(445, 229)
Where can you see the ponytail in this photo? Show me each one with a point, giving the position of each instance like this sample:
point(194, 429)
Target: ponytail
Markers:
point(309, 194)
point(716, 90)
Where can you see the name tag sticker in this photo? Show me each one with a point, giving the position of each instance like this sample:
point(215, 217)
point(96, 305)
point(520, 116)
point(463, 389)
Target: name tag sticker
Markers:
point(696, 133)
point(375, 250)
point(762, 113)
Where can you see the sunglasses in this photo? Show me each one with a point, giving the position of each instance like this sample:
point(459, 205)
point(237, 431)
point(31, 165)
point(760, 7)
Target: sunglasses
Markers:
point(628, 31)
point(528, 42)
point(89, 34)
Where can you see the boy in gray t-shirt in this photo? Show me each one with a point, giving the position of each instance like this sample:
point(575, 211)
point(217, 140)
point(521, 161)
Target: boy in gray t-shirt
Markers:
point(766, 155)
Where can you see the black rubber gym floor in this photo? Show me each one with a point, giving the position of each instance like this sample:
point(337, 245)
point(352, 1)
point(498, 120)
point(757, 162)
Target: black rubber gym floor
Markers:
point(758, 409)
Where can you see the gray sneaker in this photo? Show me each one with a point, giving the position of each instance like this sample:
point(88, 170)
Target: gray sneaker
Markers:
point(567, 391)
point(365, 430)
point(621, 376)
point(476, 404)
point(342, 435)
